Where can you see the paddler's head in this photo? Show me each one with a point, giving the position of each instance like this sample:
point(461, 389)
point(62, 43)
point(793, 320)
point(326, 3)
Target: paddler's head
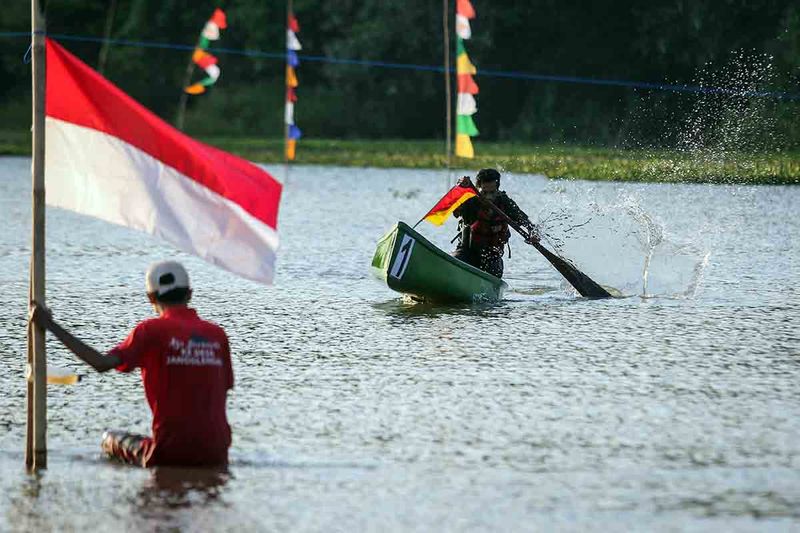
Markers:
point(488, 182)
point(167, 284)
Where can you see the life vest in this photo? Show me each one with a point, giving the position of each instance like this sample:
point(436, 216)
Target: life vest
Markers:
point(490, 229)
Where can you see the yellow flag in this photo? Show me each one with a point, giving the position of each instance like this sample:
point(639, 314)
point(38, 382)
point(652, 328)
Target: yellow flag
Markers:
point(290, 148)
point(195, 89)
point(291, 77)
point(464, 146)
point(464, 65)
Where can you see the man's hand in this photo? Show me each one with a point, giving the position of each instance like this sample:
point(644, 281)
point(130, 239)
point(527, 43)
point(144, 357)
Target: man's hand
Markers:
point(40, 315)
point(533, 234)
point(464, 181)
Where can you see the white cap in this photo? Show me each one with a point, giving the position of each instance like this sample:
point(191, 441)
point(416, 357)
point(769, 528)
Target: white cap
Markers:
point(164, 276)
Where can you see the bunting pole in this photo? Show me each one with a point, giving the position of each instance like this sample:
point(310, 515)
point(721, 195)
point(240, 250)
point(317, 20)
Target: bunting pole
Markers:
point(467, 88)
point(187, 78)
point(286, 87)
point(447, 92)
point(36, 434)
point(285, 125)
point(291, 132)
point(204, 60)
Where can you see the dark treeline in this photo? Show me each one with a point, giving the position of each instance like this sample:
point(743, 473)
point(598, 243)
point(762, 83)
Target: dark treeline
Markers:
point(737, 44)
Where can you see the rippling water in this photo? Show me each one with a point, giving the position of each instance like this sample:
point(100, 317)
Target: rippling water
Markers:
point(676, 407)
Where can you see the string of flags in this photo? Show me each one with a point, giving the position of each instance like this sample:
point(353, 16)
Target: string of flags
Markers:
point(467, 88)
point(292, 47)
point(202, 58)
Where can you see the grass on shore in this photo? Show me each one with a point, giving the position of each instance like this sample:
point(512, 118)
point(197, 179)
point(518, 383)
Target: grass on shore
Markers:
point(554, 161)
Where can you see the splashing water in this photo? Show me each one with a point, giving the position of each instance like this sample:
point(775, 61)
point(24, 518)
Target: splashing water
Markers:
point(617, 241)
point(716, 134)
point(625, 248)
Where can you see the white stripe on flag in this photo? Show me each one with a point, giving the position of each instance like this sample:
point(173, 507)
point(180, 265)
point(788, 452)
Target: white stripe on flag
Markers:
point(466, 104)
point(213, 72)
point(463, 28)
point(100, 175)
point(291, 41)
point(211, 31)
point(289, 113)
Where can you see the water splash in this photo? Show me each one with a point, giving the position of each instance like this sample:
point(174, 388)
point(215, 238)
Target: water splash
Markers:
point(624, 247)
point(715, 135)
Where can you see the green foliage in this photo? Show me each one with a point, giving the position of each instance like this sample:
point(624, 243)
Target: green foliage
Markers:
point(555, 161)
point(736, 44)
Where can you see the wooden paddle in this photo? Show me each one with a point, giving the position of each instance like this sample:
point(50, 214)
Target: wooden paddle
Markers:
point(585, 285)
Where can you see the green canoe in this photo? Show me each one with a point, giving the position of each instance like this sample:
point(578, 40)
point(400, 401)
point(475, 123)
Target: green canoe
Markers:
point(410, 264)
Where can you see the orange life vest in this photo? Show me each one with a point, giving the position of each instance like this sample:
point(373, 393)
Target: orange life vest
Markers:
point(489, 230)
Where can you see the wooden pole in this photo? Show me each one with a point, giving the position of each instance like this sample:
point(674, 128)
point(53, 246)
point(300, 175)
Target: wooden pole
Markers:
point(36, 455)
point(448, 96)
point(110, 13)
point(187, 79)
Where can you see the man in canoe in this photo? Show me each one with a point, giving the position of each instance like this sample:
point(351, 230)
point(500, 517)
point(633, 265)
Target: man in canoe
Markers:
point(186, 371)
point(483, 233)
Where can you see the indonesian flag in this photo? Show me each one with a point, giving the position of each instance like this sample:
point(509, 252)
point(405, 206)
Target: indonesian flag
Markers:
point(109, 157)
point(449, 203)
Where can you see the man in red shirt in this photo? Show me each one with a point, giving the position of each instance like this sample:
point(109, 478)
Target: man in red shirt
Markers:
point(186, 371)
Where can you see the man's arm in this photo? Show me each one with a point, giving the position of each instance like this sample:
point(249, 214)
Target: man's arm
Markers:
point(84, 352)
point(518, 215)
point(514, 212)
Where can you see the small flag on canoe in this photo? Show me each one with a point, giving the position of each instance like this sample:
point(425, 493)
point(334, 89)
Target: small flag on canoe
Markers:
point(292, 61)
point(449, 203)
point(467, 88)
point(202, 58)
point(109, 157)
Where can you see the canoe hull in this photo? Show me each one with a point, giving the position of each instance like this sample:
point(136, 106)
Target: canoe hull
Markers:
point(410, 264)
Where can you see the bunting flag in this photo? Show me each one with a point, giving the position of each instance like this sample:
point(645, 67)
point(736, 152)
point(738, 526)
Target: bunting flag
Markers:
point(449, 203)
point(109, 157)
point(292, 46)
point(466, 106)
point(202, 58)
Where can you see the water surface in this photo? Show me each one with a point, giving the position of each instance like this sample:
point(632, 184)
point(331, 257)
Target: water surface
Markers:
point(676, 407)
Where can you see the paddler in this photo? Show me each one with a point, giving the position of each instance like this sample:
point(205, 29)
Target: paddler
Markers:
point(483, 233)
point(186, 372)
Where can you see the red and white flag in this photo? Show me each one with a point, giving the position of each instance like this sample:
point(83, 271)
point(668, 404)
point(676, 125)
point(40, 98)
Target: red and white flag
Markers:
point(107, 156)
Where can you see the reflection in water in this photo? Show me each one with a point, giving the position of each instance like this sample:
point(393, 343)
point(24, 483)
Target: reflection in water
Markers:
point(171, 488)
point(408, 308)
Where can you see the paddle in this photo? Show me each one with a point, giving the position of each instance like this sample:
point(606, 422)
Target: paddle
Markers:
point(585, 285)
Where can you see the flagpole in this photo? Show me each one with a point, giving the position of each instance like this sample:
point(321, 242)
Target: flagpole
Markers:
point(36, 439)
point(187, 79)
point(103, 56)
point(448, 96)
point(285, 89)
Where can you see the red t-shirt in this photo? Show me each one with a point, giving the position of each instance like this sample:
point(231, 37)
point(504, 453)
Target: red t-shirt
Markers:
point(186, 370)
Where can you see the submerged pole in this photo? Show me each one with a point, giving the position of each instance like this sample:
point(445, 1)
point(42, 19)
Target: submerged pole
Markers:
point(448, 96)
point(36, 448)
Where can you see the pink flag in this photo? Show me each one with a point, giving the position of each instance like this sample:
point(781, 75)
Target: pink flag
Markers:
point(109, 157)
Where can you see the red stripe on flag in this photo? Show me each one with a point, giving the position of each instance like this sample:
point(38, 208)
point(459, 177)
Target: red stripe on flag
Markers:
point(454, 197)
point(466, 84)
point(203, 59)
point(219, 18)
point(464, 8)
point(79, 95)
point(293, 24)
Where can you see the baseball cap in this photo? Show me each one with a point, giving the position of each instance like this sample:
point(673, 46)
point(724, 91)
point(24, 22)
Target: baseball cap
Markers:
point(164, 276)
